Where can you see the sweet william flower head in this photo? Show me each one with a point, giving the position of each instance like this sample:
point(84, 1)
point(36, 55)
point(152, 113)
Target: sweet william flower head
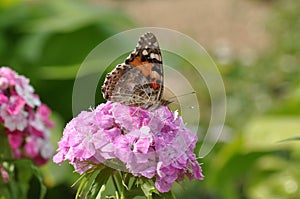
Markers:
point(153, 144)
point(24, 118)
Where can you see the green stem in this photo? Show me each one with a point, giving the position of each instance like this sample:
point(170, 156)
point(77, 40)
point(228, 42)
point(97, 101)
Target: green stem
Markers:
point(134, 181)
point(4, 145)
point(120, 178)
point(115, 183)
point(127, 177)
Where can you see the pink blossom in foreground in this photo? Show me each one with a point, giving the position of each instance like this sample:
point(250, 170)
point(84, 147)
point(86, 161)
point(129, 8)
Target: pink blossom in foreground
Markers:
point(154, 144)
point(24, 118)
point(4, 174)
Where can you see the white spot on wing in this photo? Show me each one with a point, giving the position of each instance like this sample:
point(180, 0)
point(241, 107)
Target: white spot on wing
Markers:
point(152, 55)
point(155, 56)
point(158, 57)
point(145, 52)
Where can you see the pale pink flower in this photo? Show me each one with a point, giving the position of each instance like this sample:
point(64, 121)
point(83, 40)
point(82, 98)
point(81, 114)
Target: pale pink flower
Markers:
point(14, 122)
point(153, 144)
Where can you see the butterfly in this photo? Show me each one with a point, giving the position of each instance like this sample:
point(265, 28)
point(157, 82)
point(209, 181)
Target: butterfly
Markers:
point(139, 80)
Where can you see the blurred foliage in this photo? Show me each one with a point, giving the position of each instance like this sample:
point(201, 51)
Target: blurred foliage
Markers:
point(21, 173)
point(263, 109)
point(47, 41)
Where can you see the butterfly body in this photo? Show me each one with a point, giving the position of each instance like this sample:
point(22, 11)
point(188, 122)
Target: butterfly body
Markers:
point(139, 80)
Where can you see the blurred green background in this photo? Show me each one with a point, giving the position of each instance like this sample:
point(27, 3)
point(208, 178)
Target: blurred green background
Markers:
point(255, 44)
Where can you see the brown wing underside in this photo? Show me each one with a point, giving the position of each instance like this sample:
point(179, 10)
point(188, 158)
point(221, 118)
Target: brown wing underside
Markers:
point(139, 81)
point(147, 58)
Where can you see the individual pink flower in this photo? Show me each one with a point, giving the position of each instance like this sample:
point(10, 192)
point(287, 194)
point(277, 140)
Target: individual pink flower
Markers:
point(27, 92)
point(31, 148)
point(4, 83)
point(13, 121)
point(4, 174)
point(44, 113)
point(16, 104)
point(3, 98)
point(15, 139)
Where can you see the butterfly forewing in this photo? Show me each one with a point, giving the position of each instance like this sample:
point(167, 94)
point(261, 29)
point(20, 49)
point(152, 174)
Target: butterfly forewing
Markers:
point(147, 58)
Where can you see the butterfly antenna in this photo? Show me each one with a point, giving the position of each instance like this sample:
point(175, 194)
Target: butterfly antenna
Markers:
point(190, 93)
point(174, 102)
point(182, 106)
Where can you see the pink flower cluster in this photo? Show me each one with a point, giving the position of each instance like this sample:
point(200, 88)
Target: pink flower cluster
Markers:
point(154, 144)
point(25, 120)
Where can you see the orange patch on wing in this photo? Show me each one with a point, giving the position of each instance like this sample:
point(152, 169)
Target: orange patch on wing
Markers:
point(136, 61)
point(144, 67)
point(155, 85)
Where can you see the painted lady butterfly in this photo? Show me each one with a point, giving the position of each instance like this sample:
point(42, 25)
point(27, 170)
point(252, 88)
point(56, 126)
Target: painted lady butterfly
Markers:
point(139, 80)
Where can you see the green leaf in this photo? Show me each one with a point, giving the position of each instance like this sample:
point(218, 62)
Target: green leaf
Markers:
point(296, 138)
point(98, 187)
point(148, 188)
point(104, 175)
point(90, 182)
point(96, 190)
point(24, 174)
point(14, 190)
point(83, 181)
point(21, 173)
point(4, 145)
point(168, 195)
point(38, 175)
